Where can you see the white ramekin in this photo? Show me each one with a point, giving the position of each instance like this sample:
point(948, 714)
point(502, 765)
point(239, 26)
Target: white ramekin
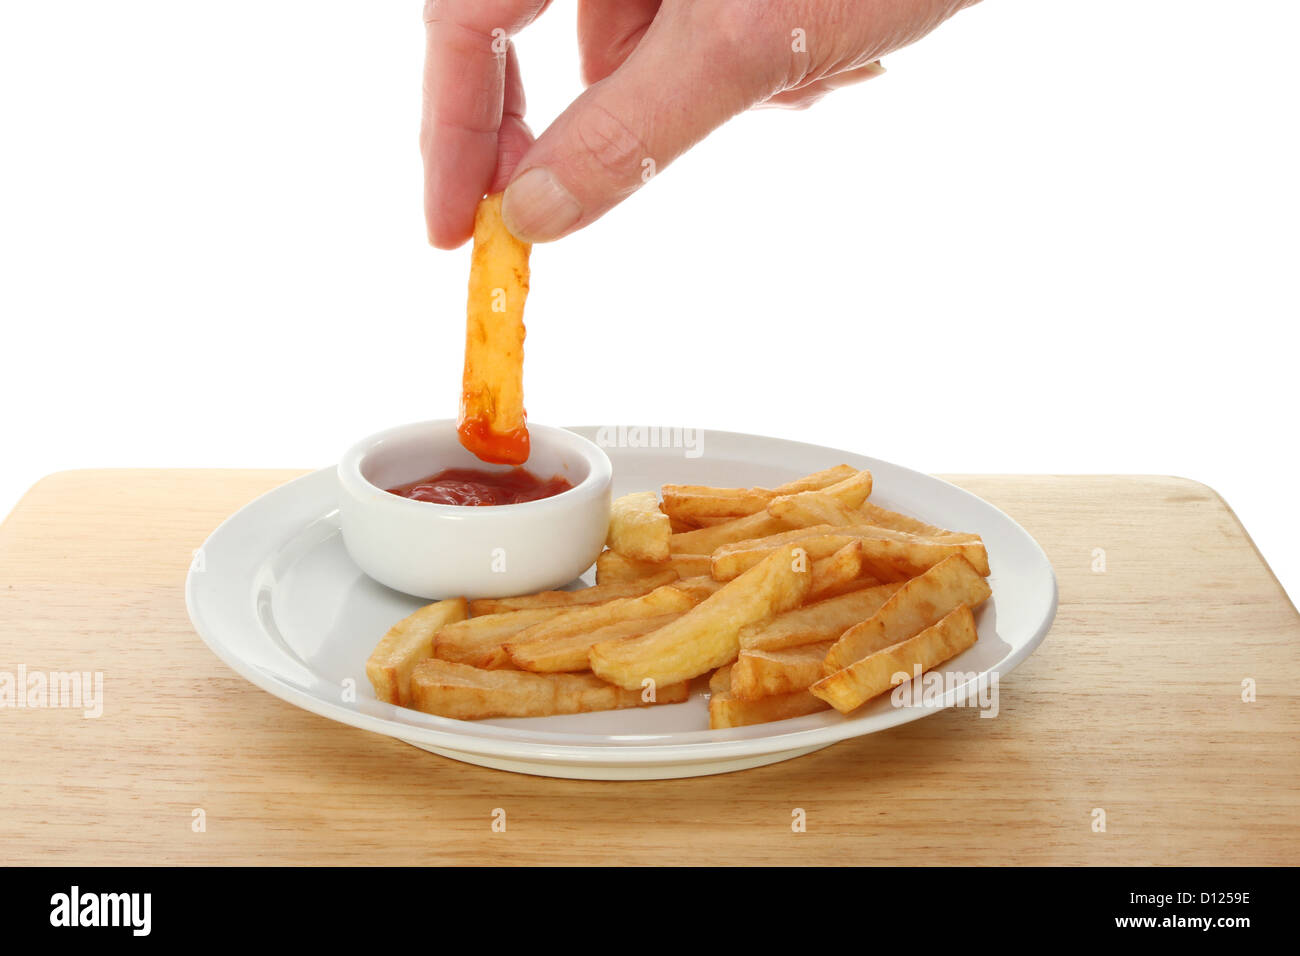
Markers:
point(440, 551)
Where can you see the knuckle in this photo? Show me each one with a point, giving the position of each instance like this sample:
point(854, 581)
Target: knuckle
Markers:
point(611, 145)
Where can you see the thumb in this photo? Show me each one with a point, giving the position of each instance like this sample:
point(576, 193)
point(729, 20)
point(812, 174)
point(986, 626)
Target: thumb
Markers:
point(679, 84)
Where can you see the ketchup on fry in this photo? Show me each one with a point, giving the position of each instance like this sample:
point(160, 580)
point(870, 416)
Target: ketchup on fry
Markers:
point(499, 448)
point(475, 487)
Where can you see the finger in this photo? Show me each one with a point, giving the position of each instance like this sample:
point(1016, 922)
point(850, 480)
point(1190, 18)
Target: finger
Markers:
point(464, 90)
point(514, 137)
point(608, 31)
point(805, 96)
point(672, 90)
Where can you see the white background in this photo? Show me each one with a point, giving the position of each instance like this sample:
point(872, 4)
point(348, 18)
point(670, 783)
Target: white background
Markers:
point(1054, 237)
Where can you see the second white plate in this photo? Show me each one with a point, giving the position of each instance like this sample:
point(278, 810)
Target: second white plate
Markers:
point(278, 599)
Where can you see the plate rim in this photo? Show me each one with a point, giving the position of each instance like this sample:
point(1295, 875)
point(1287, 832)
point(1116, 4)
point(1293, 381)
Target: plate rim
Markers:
point(493, 740)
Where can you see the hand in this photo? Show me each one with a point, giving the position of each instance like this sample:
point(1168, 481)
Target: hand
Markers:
point(660, 75)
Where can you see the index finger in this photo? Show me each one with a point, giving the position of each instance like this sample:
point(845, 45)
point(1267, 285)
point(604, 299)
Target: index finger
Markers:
point(464, 92)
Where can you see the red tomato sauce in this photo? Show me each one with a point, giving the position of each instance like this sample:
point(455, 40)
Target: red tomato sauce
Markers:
point(499, 448)
point(475, 487)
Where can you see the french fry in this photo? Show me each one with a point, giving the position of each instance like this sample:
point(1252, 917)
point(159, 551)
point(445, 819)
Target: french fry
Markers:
point(815, 481)
point(699, 587)
point(690, 503)
point(850, 492)
point(614, 568)
point(873, 514)
point(915, 606)
point(456, 690)
point(703, 505)
point(561, 643)
point(813, 623)
point(568, 652)
point(850, 688)
point(706, 636)
point(720, 680)
point(803, 511)
point(493, 424)
point(731, 560)
point(705, 540)
point(886, 552)
point(727, 710)
point(638, 529)
point(480, 641)
point(408, 642)
point(843, 571)
point(767, 673)
point(593, 595)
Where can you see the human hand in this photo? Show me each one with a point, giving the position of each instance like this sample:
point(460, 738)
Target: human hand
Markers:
point(660, 75)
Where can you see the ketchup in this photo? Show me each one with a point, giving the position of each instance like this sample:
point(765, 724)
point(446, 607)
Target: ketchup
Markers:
point(499, 448)
point(473, 486)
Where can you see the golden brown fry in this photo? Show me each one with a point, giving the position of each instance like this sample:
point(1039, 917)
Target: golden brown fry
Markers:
point(872, 514)
point(480, 641)
point(561, 643)
point(766, 673)
point(568, 652)
point(493, 424)
point(456, 690)
point(705, 540)
point(702, 505)
point(850, 688)
point(823, 621)
point(804, 511)
point(850, 492)
point(727, 710)
point(638, 529)
point(699, 587)
point(720, 680)
point(843, 571)
point(915, 606)
point(691, 503)
point(408, 642)
point(592, 595)
point(706, 636)
point(815, 481)
point(887, 553)
point(614, 568)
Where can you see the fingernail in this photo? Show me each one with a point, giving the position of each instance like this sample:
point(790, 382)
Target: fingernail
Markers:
point(537, 207)
point(874, 69)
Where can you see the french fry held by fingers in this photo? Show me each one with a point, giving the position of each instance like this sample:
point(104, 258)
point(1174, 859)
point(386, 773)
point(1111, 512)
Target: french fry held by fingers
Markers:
point(707, 636)
point(592, 595)
point(561, 643)
point(702, 505)
point(813, 623)
point(493, 424)
point(614, 568)
point(766, 673)
point(915, 606)
point(408, 642)
point(480, 641)
point(727, 710)
point(638, 529)
point(456, 690)
point(848, 689)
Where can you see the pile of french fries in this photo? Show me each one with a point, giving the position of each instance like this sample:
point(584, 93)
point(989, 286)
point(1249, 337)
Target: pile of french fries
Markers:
point(792, 600)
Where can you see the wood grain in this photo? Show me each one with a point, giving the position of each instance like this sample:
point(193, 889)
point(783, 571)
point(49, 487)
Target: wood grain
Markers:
point(1133, 705)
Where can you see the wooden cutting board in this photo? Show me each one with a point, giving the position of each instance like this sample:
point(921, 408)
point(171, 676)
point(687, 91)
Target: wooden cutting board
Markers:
point(1132, 707)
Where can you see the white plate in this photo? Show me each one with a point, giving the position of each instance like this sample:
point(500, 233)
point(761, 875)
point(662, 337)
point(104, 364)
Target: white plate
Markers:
point(277, 598)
